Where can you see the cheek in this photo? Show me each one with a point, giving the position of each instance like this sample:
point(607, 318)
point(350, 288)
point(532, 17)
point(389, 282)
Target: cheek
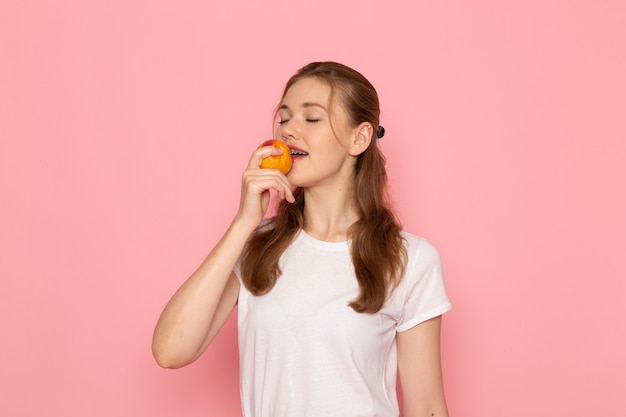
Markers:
point(278, 131)
point(340, 143)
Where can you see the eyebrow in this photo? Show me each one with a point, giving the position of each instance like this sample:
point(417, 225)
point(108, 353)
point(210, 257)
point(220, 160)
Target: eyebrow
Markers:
point(304, 105)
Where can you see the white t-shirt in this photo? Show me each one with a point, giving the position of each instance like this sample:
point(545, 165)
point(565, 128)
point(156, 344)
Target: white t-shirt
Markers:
point(304, 352)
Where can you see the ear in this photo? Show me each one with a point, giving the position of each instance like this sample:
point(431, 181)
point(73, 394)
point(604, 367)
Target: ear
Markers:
point(362, 137)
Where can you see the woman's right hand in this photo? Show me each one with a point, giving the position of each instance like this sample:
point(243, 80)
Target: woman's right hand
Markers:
point(256, 184)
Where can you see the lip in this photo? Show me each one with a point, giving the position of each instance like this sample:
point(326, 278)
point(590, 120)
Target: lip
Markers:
point(297, 149)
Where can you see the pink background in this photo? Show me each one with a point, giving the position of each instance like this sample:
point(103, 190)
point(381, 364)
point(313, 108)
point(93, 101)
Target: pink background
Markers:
point(125, 125)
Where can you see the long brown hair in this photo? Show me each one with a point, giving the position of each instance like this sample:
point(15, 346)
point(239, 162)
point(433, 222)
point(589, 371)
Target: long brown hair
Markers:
point(377, 248)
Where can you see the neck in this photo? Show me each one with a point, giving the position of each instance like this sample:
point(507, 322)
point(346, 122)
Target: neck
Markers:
point(329, 213)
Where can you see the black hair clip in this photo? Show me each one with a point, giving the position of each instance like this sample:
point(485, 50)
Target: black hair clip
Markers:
point(380, 132)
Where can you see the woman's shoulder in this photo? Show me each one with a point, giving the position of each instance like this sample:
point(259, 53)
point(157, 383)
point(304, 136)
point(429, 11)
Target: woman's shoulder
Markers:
point(418, 247)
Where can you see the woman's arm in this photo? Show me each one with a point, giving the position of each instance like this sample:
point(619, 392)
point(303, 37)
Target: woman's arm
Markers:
point(419, 365)
point(200, 307)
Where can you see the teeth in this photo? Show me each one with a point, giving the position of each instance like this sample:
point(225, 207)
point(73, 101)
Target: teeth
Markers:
point(294, 152)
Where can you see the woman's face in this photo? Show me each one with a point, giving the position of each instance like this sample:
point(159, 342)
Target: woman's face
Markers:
point(316, 127)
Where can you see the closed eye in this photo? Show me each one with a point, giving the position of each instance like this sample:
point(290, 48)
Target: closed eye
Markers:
point(280, 122)
point(312, 120)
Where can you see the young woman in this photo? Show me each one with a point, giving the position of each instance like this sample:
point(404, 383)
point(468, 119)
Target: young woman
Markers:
point(334, 299)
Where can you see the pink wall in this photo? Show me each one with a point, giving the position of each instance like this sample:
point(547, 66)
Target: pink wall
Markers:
point(125, 125)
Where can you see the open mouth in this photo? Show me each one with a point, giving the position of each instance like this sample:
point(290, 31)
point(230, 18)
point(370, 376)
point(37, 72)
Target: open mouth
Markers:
point(297, 154)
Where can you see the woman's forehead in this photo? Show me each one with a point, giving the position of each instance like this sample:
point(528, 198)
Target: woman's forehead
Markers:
point(307, 93)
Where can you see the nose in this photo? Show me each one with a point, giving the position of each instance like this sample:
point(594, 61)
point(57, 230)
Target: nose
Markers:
point(288, 131)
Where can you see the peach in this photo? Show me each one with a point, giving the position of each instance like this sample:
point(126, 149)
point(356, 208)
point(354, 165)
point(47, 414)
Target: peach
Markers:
point(281, 162)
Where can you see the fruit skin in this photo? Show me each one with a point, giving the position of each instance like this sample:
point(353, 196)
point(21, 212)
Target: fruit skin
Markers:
point(280, 162)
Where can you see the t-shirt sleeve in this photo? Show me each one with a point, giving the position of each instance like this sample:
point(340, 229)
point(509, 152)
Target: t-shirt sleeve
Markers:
point(423, 287)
